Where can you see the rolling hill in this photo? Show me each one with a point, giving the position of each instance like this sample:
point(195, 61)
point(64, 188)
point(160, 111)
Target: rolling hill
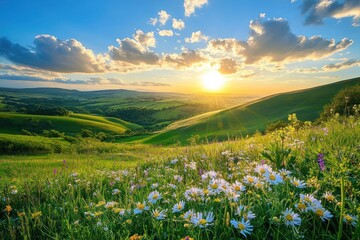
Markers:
point(247, 118)
point(13, 123)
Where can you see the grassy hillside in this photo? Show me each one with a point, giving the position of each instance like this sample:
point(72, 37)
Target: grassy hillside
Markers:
point(152, 110)
point(13, 123)
point(246, 119)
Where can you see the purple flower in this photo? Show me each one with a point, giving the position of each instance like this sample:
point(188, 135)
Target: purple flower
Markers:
point(54, 171)
point(64, 161)
point(321, 161)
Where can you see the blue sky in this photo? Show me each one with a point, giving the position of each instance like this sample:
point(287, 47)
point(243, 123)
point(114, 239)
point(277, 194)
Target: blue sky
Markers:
point(259, 46)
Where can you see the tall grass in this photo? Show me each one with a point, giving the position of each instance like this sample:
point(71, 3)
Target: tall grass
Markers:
point(229, 190)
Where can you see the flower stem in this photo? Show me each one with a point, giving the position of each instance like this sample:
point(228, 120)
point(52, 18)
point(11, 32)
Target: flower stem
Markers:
point(342, 208)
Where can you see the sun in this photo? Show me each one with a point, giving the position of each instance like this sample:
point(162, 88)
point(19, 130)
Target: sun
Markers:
point(213, 81)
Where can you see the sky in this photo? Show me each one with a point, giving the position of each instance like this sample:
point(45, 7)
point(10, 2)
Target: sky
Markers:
point(186, 46)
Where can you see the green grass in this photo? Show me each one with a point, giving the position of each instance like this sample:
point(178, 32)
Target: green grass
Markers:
point(13, 123)
point(95, 197)
point(245, 119)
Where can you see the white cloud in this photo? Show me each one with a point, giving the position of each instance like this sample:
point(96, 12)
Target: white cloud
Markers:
point(166, 33)
point(317, 10)
point(145, 39)
point(262, 15)
point(273, 41)
point(191, 5)
point(163, 17)
point(153, 21)
point(53, 54)
point(178, 24)
point(135, 51)
point(228, 66)
point(187, 58)
point(196, 37)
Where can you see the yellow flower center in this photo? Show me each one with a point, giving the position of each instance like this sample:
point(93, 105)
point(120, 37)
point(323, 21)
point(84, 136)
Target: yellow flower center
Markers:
point(250, 179)
point(141, 206)
point(301, 206)
point(237, 188)
point(296, 183)
point(348, 218)
point(272, 177)
point(330, 198)
point(241, 226)
point(214, 186)
point(179, 206)
point(319, 212)
point(155, 196)
point(156, 214)
point(289, 217)
point(262, 171)
point(202, 221)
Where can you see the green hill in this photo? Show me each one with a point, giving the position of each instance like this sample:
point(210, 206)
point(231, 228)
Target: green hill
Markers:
point(246, 119)
point(13, 123)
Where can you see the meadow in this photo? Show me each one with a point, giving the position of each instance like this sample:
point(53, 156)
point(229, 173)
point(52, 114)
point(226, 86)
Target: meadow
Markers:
point(300, 182)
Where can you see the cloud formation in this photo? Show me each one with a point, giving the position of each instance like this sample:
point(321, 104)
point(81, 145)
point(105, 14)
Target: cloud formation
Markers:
point(186, 59)
point(317, 10)
point(50, 53)
point(178, 24)
point(196, 37)
point(191, 5)
point(341, 65)
point(228, 66)
point(163, 17)
point(273, 41)
point(166, 33)
point(135, 51)
point(91, 81)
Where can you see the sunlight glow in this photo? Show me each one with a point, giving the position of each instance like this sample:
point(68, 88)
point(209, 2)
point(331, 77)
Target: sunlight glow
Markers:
point(213, 81)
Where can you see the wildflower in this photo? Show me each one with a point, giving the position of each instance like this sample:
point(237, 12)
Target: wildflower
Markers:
point(140, 207)
point(238, 187)
point(298, 183)
point(244, 226)
point(209, 175)
point(188, 215)
point(154, 196)
point(309, 199)
point(187, 238)
point(261, 169)
point(20, 214)
point(245, 213)
point(110, 205)
point(284, 173)
point(321, 161)
point(178, 207)
point(159, 215)
point(321, 212)
point(76, 223)
point(136, 237)
point(273, 178)
point(128, 221)
point(178, 178)
point(250, 180)
point(199, 219)
point(193, 194)
point(101, 203)
point(36, 214)
point(350, 219)
point(115, 191)
point(8, 209)
point(329, 196)
point(301, 206)
point(291, 218)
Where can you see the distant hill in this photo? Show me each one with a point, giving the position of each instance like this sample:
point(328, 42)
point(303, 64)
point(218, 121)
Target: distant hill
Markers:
point(14, 123)
point(152, 110)
point(247, 118)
